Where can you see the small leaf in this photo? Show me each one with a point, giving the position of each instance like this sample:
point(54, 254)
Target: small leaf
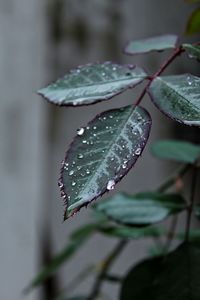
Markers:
point(101, 154)
point(174, 277)
point(141, 209)
point(192, 51)
point(193, 24)
point(158, 43)
point(78, 238)
point(178, 97)
point(176, 150)
point(93, 83)
point(130, 232)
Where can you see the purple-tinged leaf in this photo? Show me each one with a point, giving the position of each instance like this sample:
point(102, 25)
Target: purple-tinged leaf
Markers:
point(158, 43)
point(101, 154)
point(178, 97)
point(93, 83)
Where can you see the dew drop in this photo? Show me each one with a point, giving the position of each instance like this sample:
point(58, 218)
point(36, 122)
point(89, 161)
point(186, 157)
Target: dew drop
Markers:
point(80, 155)
point(111, 185)
point(88, 172)
point(138, 151)
point(80, 131)
point(73, 183)
point(71, 173)
point(189, 80)
point(60, 184)
point(84, 141)
point(94, 127)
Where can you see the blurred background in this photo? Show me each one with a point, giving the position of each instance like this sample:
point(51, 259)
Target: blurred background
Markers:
point(40, 40)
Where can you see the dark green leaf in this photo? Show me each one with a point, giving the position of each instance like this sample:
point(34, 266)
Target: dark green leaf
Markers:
point(93, 83)
point(176, 150)
point(101, 154)
point(158, 43)
point(176, 277)
point(130, 232)
point(78, 238)
point(141, 209)
point(178, 97)
point(193, 24)
point(192, 51)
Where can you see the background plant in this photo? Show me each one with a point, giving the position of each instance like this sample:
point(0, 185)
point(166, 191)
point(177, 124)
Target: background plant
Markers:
point(107, 148)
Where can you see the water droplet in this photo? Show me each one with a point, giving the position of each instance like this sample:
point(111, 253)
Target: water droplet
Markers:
point(112, 158)
point(80, 131)
point(73, 183)
point(88, 172)
point(78, 167)
point(88, 127)
point(80, 155)
point(189, 80)
point(138, 151)
point(94, 127)
point(84, 141)
point(111, 185)
point(114, 68)
point(94, 134)
point(71, 173)
point(103, 73)
point(110, 116)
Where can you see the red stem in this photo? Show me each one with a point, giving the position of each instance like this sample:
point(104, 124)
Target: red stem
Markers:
point(176, 53)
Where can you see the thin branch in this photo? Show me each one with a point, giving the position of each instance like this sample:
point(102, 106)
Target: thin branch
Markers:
point(106, 265)
point(176, 53)
point(172, 179)
point(192, 200)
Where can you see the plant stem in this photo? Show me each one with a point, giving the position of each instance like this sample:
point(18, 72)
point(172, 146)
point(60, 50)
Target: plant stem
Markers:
point(170, 181)
point(176, 53)
point(106, 265)
point(192, 199)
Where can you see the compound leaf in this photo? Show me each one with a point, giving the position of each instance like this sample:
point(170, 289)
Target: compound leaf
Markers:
point(101, 154)
point(93, 83)
point(141, 209)
point(176, 150)
point(158, 43)
point(174, 277)
point(178, 97)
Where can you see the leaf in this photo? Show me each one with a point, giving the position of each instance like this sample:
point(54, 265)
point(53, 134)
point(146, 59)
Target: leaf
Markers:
point(101, 154)
point(178, 97)
point(193, 24)
point(176, 277)
point(176, 150)
point(192, 51)
point(158, 43)
point(141, 209)
point(93, 83)
point(78, 238)
point(131, 233)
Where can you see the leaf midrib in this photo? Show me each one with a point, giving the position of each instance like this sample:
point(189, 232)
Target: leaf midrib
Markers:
point(76, 204)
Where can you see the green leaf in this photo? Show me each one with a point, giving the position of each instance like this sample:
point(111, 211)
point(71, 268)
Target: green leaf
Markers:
point(78, 238)
point(175, 277)
point(176, 150)
point(141, 209)
point(192, 51)
point(193, 24)
point(93, 83)
point(130, 232)
point(178, 97)
point(158, 43)
point(101, 154)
